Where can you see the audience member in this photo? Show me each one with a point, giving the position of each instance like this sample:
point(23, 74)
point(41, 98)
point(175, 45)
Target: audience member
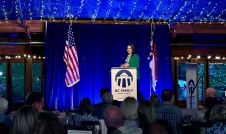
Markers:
point(36, 100)
point(218, 119)
point(5, 121)
point(210, 92)
point(24, 120)
point(129, 110)
point(48, 123)
point(113, 118)
point(158, 127)
point(84, 114)
point(146, 113)
point(3, 109)
point(154, 100)
point(210, 102)
point(224, 102)
point(106, 90)
point(168, 112)
point(107, 100)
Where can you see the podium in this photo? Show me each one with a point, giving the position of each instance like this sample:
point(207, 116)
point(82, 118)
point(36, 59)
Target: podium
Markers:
point(123, 82)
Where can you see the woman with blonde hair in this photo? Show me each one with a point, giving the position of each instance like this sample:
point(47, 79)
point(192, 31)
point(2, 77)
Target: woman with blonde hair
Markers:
point(129, 109)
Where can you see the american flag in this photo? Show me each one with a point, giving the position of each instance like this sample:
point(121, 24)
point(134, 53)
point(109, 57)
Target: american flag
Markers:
point(71, 60)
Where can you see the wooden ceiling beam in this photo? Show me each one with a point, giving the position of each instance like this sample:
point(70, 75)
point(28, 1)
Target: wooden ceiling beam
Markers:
point(199, 28)
point(13, 26)
point(12, 50)
point(196, 50)
point(177, 28)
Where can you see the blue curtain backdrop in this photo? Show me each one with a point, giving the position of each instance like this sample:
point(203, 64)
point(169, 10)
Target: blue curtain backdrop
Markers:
point(99, 48)
point(162, 39)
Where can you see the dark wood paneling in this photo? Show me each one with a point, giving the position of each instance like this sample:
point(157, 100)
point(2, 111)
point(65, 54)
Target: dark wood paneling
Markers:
point(194, 50)
point(11, 49)
point(201, 28)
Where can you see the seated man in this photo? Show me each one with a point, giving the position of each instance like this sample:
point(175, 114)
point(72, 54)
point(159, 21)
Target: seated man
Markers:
point(100, 107)
point(107, 100)
point(203, 114)
point(113, 118)
point(210, 102)
point(36, 100)
point(169, 113)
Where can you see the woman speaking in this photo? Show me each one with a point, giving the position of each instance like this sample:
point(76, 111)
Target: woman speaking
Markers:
point(133, 60)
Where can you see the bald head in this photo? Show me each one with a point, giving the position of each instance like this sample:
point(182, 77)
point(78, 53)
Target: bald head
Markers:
point(210, 92)
point(113, 117)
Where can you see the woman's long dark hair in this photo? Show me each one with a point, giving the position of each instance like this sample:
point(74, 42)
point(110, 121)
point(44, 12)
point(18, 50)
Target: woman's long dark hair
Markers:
point(85, 106)
point(133, 47)
point(24, 120)
point(48, 123)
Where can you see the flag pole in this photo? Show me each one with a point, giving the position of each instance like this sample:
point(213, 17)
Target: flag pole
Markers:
point(151, 54)
point(72, 98)
point(72, 92)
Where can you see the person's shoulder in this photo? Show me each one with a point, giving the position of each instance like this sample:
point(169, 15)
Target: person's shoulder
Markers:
point(136, 56)
point(98, 104)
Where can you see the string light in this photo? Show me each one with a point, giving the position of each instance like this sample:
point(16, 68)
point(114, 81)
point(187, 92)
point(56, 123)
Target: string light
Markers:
point(133, 9)
point(202, 12)
point(144, 10)
point(42, 10)
point(217, 57)
point(208, 13)
point(156, 10)
point(17, 9)
point(25, 56)
point(94, 16)
point(199, 57)
point(189, 56)
point(180, 11)
point(29, 10)
point(54, 13)
point(167, 11)
point(119, 11)
point(80, 9)
point(4, 10)
point(110, 4)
